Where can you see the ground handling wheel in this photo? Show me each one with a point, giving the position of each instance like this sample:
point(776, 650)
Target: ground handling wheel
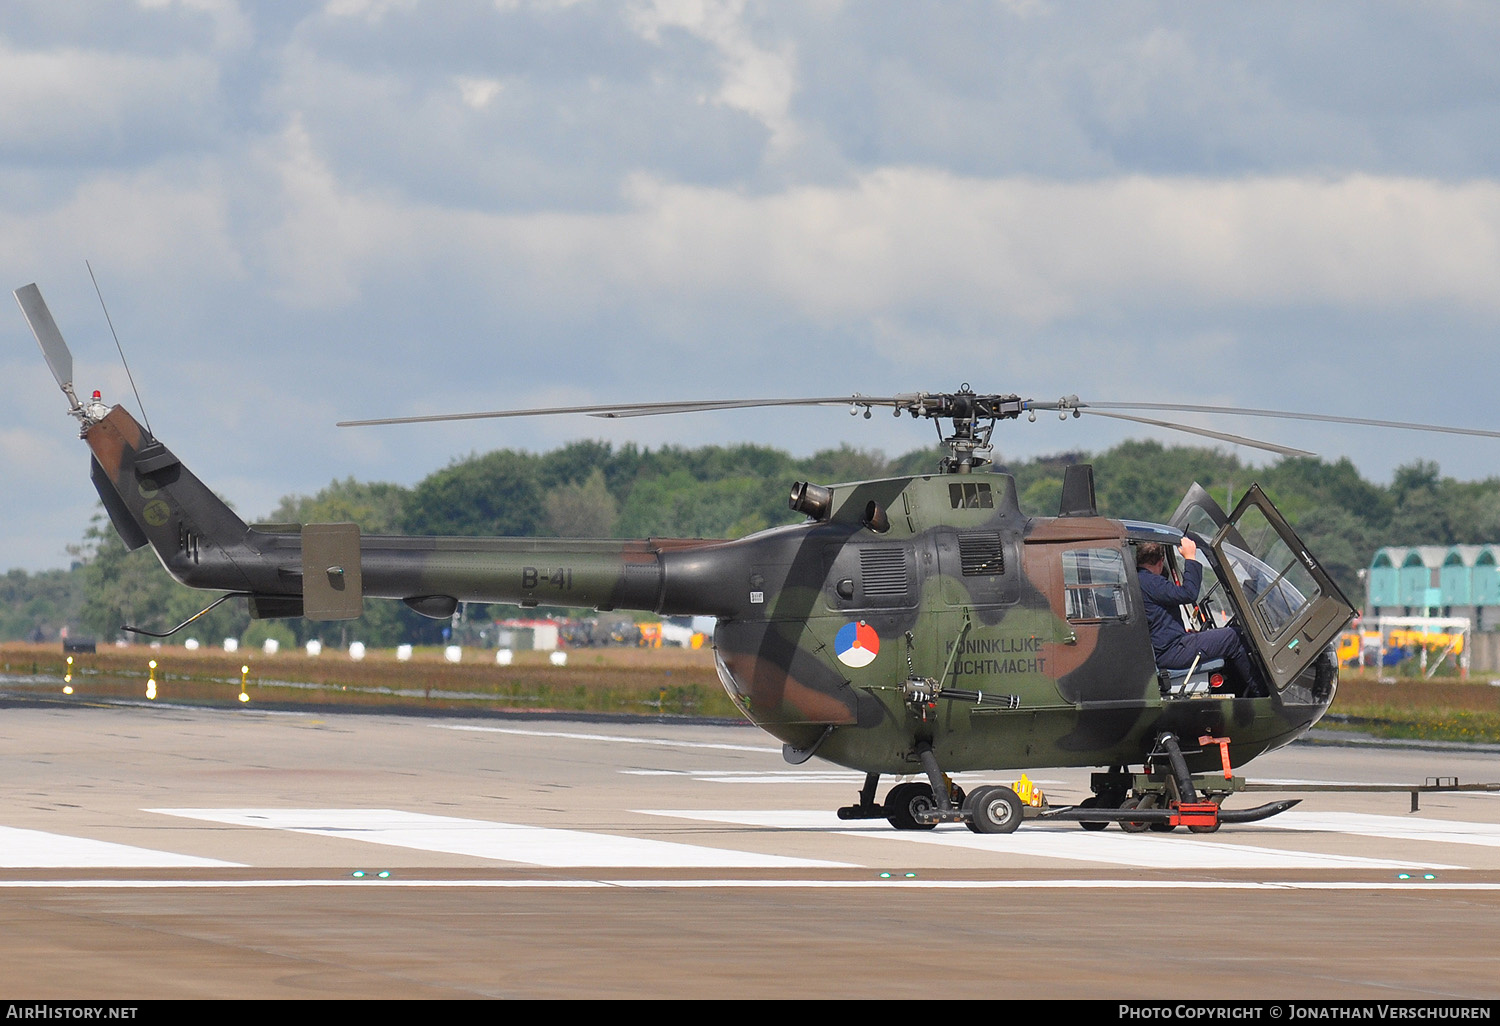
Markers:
point(994, 810)
point(1136, 826)
point(1200, 817)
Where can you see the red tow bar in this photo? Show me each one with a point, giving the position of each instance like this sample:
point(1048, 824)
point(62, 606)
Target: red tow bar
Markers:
point(1199, 814)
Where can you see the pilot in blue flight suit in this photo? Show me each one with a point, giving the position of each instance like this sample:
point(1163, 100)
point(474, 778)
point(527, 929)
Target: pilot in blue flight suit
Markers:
point(1175, 647)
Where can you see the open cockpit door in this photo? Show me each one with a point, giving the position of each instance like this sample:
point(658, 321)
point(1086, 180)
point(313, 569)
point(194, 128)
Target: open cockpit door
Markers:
point(1200, 514)
point(1287, 605)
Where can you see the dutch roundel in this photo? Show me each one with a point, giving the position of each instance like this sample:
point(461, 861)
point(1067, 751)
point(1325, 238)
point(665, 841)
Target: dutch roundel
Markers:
point(856, 644)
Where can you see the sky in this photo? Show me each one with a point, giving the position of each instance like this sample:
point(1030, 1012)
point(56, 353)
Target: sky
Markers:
point(300, 214)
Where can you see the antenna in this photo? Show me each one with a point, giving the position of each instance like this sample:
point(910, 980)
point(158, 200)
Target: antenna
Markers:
point(111, 324)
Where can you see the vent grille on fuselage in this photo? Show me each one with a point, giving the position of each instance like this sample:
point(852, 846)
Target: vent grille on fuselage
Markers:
point(882, 571)
point(980, 552)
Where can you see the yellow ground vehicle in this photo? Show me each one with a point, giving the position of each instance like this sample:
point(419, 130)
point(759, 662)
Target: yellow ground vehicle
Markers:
point(1352, 643)
point(1408, 638)
point(1397, 639)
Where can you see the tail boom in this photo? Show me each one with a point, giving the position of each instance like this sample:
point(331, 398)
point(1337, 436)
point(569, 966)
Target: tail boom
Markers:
point(324, 571)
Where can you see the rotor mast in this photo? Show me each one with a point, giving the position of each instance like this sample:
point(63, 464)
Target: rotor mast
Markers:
point(973, 418)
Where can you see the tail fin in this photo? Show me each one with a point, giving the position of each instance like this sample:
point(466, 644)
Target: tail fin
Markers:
point(324, 571)
point(152, 498)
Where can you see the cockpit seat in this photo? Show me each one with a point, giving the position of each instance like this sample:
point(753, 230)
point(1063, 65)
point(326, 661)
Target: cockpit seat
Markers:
point(1177, 683)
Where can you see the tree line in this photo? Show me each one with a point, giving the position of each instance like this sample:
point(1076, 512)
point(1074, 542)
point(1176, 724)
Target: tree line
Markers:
point(594, 489)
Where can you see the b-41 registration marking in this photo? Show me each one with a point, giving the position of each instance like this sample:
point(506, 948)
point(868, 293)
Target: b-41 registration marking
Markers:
point(562, 577)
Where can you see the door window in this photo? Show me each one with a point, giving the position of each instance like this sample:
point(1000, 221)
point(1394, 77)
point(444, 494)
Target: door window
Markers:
point(1271, 575)
point(1094, 584)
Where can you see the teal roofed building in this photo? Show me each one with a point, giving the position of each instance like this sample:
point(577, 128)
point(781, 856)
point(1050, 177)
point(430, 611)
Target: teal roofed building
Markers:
point(1436, 580)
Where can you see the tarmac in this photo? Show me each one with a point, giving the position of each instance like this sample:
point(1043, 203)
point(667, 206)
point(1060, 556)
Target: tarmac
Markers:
point(156, 851)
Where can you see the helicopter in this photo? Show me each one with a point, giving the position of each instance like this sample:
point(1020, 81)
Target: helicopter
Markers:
point(915, 627)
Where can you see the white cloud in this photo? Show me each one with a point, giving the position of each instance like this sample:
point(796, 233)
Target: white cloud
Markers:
point(941, 254)
point(1038, 252)
point(319, 232)
point(478, 92)
point(758, 80)
point(33, 452)
point(232, 29)
point(914, 240)
point(370, 10)
point(147, 224)
point(90, 104)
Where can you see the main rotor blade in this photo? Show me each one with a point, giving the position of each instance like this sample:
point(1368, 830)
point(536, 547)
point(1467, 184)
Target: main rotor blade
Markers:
point(59, 357)
point(651, 409)
point(614, 410)
point(1220, 435)
point(1325, 418)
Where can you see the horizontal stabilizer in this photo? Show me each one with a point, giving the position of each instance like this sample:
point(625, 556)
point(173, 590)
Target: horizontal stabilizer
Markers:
point(268, 607)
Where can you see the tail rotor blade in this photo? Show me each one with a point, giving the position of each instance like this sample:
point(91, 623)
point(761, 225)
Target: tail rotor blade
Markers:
point(59, 358)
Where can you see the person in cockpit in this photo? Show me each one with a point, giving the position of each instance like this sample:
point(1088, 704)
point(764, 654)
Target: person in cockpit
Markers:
point(1176, 648)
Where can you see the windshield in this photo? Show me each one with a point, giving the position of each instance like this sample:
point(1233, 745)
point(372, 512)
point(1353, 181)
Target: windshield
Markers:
point(1212, 601)
point(1275, 590)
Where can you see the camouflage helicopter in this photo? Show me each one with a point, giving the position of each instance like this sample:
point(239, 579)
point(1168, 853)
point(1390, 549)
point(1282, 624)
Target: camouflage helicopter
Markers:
point(913, 627)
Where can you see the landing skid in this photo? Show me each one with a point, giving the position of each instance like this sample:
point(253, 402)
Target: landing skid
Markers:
point(1202, 817)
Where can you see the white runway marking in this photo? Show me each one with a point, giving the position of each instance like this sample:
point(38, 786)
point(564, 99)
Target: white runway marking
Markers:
point(504, 842)
point(1392, 788)
point(754, 777)
point(1427, 886)
point(37, 849)
point(1155, 851)
point(848, 778)
point(616, 738)
point(1408, 828)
